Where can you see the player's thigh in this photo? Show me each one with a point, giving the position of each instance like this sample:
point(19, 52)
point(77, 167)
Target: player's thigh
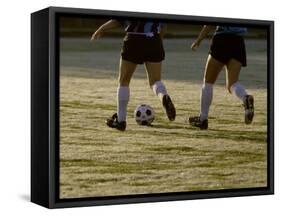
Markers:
point(153, 70)
point(126, 70)
point(212, 69)
point(233, 69)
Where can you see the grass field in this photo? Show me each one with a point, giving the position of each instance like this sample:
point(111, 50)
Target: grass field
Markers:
point(167, 157)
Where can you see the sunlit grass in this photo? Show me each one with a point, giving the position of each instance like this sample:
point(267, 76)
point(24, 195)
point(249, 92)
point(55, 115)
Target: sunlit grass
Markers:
point(166, 157)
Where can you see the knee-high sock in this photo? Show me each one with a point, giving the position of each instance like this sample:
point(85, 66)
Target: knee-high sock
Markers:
point(123, 96)
point(239, 91)
point(206, 100)
point(159, 89)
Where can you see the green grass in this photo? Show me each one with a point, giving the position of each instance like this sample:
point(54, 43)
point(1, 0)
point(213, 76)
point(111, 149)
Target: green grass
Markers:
point(166, 157)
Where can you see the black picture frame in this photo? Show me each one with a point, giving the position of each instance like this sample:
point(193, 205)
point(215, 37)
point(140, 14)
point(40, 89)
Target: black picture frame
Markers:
point(45, 112)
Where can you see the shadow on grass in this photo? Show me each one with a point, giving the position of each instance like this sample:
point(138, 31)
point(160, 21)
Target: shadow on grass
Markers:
point(235, 135)
point(160, 126)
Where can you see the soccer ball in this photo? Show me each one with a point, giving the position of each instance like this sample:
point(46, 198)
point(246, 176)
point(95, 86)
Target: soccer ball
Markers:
point(144, 114)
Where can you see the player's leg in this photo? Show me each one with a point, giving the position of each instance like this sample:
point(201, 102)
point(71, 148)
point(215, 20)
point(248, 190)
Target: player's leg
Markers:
point(153, 70)
point(126, 70)
point(233, 69)
point(212, 70)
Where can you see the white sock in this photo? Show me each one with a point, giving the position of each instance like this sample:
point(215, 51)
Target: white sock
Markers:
point(159, 89)
point(239, 91)
point(206, 100)
point(123, 96)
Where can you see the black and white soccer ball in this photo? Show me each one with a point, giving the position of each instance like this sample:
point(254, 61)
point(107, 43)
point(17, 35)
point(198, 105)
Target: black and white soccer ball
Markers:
point(144, 114)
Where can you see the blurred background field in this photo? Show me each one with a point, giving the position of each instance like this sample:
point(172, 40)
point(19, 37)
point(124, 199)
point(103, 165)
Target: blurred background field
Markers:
point(83, 27)
point(167, 157)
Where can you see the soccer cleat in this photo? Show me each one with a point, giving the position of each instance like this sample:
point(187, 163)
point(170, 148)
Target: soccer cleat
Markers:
point(113, 123)
point(196, 122)
point(249, 109)
point(169, 107)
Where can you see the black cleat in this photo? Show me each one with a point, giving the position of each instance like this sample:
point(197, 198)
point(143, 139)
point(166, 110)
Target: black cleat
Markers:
point(249, 109)
point(113, 123)
point(196, 122)
point(169, 107)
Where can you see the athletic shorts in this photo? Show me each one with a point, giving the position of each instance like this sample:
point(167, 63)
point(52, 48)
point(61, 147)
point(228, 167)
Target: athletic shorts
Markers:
point(228, 46)
point(140, 48)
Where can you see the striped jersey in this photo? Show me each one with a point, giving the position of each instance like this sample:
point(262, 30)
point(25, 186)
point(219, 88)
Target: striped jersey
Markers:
point(142, 26)
point(230, 30)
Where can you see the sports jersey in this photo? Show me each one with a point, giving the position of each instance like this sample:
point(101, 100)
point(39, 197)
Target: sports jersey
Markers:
point(230, 30)
point(142, 27)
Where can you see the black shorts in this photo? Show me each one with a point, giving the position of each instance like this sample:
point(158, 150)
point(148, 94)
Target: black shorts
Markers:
point(140, 48)
point(228, 46)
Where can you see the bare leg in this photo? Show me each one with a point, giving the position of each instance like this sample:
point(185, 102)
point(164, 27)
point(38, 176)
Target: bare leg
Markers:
point(233, 69)
point(153, 70)
point(212, 70)
point(126, 71)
